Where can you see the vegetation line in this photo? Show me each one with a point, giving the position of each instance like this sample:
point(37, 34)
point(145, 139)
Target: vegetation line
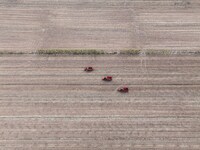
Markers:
point(10, 53)
point(72, 51)
point(130, 52)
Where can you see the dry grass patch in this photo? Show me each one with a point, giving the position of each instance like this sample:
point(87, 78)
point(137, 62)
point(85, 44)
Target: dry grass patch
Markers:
point(158, 52)
point(172, 52)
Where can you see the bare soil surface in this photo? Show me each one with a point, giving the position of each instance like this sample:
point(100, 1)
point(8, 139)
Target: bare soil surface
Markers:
point(101, 24)
point(51, 103)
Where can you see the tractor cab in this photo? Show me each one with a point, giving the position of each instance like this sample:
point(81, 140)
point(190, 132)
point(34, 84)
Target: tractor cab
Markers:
point(88, 69)
point(107, 78)
point(123, 89)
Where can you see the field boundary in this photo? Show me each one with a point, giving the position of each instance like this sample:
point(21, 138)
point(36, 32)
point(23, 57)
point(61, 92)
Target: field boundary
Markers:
point(130, 52)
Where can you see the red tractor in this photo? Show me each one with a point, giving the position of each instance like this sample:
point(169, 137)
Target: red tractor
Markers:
point(88, 69)
point(123, 90)
point(107, 78)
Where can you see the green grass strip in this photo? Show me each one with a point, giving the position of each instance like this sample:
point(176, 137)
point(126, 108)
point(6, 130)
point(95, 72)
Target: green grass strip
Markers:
point(130, 52)
point(71, 52)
